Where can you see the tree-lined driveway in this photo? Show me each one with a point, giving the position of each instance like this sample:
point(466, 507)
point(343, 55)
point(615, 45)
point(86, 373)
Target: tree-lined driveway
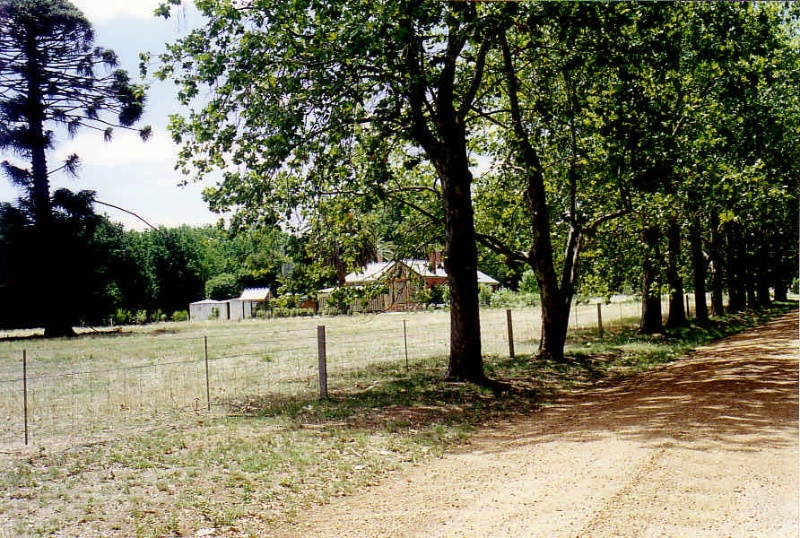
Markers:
point(705, 447)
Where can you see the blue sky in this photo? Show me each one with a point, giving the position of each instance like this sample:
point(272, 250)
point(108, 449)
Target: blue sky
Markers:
point(127, 172)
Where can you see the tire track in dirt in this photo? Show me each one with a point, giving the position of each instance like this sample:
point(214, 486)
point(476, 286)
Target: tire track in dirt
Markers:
point(704, 447)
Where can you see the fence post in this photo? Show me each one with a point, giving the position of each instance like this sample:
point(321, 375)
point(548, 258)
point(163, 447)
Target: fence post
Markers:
point(600, 320)
point(208, 377)
point(323, 362)
point(510, 334)
point(25, 391)
point(405, 341)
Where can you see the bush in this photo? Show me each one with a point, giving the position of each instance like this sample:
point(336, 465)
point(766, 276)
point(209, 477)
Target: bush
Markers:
point(280, 312)
point(287, 300)
point(223, 286)
point(505, 297)
point(528, 283)
point(484, 295)
point(122, 316)
point(431, 296)
point(180, 315)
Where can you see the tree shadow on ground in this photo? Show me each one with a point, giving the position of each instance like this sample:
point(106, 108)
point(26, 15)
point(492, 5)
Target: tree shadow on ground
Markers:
point(742, 391)
point(740, 394)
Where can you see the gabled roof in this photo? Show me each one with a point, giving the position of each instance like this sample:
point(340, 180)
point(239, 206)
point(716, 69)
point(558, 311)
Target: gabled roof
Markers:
point(255, 294)
point(377, 270)
point(371, 273)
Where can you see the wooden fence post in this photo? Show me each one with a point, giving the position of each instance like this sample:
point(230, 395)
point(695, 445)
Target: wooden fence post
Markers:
point(510, 334)
point(405, 341)
point(600, 320)
point(323, 362)
point(208, 377)
point(25, 392)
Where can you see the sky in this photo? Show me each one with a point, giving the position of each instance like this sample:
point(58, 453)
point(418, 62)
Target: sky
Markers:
point(127, 172)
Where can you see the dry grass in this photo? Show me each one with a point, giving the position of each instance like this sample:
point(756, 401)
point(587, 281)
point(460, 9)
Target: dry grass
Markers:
point(139, 456)
point(103, 384)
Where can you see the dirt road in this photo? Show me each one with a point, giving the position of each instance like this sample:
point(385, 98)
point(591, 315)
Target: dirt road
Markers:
point(706, 447)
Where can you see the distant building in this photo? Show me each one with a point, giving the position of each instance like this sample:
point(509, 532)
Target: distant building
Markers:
point(403, 279)
point(242, 307)
point(209, 309)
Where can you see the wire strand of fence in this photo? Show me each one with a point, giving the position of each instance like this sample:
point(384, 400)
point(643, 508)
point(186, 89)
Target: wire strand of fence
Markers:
point(148, 379)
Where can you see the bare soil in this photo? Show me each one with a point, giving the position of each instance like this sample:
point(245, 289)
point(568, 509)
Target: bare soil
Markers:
point(704, 447)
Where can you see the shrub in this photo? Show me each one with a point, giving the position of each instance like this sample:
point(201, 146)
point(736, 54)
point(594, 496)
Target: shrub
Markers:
point(141, 317)
point(508, 298)
point(484, 295)
point(223, 286)
point(122, 316)
point(528, 283)
point(180, 315)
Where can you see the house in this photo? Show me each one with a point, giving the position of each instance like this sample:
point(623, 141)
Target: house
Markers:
point(402, 281)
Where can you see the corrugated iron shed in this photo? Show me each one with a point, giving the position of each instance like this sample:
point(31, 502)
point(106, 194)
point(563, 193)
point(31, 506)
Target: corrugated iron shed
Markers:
point(255, 295)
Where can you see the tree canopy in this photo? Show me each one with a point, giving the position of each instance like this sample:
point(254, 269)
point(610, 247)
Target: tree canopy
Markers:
point(582, 114)
point(50, 78)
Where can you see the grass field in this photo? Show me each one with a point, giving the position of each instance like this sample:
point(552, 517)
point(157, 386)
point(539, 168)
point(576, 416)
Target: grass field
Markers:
point(109, 381)
point(144, 458)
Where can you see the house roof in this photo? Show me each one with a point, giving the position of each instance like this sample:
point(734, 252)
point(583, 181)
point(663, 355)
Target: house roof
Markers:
point(376, 270)
point(255, 294)
point(372, 272)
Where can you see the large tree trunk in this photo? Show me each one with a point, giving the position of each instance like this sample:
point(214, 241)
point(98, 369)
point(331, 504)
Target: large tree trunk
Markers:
point(555, 299)
point(715, 260)
point(445, 146)
point(54, 314)
point(781, 287)
point(699, 266)
point(737, 283)
point(461, 264)
point(651, 321)
point(555, 320)
point(556, 306)
point(34, 110)
point(555, 310)
point(677, 311)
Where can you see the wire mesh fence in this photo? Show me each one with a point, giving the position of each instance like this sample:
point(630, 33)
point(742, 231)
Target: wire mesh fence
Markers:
point(101, 385)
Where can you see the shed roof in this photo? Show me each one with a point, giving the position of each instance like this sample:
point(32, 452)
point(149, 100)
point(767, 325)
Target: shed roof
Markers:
point(255, 294)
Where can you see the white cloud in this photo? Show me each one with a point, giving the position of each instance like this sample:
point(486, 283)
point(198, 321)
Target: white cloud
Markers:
point(124, 149)
point(100, 10)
